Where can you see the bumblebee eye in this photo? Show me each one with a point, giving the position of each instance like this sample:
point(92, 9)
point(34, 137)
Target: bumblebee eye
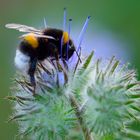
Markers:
point(71, 45)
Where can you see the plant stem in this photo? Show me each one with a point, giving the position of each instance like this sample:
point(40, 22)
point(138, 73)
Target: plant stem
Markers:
point(78, 113)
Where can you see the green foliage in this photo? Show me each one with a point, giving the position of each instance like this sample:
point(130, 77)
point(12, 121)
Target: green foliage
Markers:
point(100, 101)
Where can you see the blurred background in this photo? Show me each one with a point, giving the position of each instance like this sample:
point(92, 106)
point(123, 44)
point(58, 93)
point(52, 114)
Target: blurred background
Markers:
point(114, 29)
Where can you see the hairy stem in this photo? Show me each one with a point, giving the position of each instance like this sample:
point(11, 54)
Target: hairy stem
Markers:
point(78, 113)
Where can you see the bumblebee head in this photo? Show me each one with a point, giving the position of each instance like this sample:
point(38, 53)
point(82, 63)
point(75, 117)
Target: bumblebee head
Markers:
point(31, 39)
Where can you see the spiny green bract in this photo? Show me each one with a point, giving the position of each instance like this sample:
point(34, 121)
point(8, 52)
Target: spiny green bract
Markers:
point(110, 107)
point(106, 102)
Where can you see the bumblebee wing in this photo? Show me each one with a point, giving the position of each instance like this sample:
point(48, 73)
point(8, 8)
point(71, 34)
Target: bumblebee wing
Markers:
point(22, 28)
point(39, 35)
point(45, 36)
point(28, 29)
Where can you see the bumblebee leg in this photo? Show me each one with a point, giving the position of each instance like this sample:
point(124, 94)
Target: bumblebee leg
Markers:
point(57, 61)
point(65, 64)
point(31, 72)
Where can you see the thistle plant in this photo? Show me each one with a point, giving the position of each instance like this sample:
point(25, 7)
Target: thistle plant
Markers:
point(87, 100)
point(91, 102)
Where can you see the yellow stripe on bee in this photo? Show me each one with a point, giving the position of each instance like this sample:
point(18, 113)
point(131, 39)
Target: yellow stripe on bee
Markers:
point(32, 40)
point(65, 37)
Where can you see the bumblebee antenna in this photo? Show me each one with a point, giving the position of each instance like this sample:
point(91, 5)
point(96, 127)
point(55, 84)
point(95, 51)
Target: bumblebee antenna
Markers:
point(78, 56)
point(82, 33)
point(45, 22)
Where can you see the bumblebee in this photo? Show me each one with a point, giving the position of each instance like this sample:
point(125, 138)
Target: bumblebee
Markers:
point(37, 45)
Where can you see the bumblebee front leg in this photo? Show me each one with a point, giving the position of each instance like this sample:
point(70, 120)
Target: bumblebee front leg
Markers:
point(57, 61)
point(31, 72)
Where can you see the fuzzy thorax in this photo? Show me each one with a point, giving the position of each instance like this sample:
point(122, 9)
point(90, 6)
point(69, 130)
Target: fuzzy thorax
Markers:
point(31, 39)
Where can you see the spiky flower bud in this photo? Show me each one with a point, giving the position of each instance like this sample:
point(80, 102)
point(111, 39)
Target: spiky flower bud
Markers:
point(91, 100)
point(113, 100)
